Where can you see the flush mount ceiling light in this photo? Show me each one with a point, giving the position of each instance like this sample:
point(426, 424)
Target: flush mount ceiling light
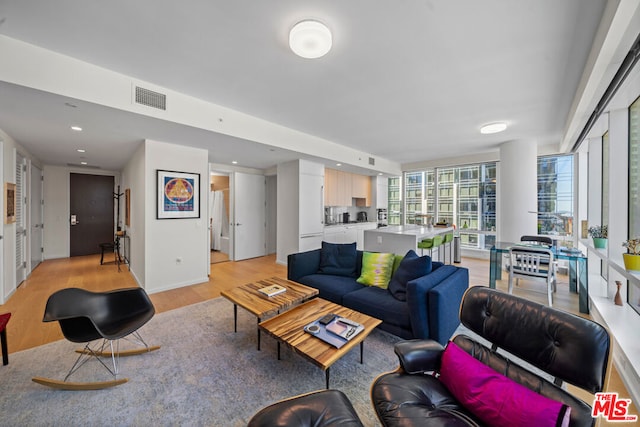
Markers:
point(493, 128)
point(310, 39)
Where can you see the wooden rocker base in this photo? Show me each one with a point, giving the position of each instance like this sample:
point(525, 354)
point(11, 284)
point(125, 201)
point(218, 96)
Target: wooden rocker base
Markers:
point(65, 385)
point(125, 353)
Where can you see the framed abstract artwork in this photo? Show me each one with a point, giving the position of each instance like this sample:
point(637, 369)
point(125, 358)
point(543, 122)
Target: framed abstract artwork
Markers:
point(178, 194)
point(9, 203)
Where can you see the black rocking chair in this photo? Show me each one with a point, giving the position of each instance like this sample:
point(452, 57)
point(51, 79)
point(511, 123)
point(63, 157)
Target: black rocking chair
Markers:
point(85, 317)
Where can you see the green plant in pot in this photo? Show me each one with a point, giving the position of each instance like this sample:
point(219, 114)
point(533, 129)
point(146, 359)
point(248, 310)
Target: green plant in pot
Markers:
point(632, 257)
point(599, 234)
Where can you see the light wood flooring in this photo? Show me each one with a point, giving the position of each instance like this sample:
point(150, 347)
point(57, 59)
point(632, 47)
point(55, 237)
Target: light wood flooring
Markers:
point(26, 329)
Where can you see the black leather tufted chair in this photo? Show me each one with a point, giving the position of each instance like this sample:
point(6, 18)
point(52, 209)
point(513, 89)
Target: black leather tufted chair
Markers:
point(566, 347)
point(317, 409)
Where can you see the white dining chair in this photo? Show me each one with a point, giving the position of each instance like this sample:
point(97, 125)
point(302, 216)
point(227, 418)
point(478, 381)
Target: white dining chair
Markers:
point(532, 263)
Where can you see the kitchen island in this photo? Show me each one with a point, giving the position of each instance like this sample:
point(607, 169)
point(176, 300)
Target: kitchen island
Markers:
point(399, 239)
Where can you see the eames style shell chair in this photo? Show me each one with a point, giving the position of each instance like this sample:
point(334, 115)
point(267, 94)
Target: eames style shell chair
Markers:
point(86, 316)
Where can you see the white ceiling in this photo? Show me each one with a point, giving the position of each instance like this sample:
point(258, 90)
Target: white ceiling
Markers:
point(406, 80)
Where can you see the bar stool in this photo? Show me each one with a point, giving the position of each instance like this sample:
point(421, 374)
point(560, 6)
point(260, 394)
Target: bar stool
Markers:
point(448, 240)
point(430, 243)
point(4, 319)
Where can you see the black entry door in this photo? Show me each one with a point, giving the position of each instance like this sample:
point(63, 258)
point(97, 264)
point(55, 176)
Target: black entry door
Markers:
point(91, 208)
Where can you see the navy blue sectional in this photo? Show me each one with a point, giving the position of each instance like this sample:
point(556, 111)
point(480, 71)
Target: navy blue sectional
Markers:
point(432, 306)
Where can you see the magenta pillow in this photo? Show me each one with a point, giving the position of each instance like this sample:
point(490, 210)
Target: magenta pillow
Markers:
point(494, 398)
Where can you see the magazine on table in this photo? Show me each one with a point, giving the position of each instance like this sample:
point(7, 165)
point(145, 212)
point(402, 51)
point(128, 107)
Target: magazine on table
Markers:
point(336, 332)
point(272, 290)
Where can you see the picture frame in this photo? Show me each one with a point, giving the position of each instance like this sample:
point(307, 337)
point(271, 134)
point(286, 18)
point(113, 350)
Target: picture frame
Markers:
point(9, 203)
point(178, 194)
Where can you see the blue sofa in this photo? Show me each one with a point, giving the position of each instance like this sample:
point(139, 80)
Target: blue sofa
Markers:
point(430, 311)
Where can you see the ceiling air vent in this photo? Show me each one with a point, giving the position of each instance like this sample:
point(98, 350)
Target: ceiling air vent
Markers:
point(372, 161)
point(151, 99)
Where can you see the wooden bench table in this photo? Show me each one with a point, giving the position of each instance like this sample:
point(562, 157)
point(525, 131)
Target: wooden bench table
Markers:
point(248, 297)
point(288, 328)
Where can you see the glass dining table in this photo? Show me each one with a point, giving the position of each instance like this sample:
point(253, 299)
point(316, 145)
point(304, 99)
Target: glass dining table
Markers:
point(578, 270)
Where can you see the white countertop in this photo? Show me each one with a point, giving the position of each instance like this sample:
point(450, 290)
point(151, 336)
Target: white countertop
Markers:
point(348, 224)
point(412, 230)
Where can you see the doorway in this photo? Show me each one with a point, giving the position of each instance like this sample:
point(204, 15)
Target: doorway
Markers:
point(219, 217)
point(36, 210)
point(91, 208)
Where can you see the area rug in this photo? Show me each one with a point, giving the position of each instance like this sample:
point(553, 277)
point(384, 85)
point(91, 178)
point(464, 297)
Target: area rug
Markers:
point(204, 375)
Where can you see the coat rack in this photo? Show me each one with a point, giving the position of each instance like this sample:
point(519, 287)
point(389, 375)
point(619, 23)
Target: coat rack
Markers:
point(119, 232)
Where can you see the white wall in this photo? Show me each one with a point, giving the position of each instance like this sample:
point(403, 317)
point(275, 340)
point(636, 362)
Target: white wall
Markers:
point(133, 178)
point(287, 223)
point(8, 263)
point(56, 207)
point(272, 211)
point(166, 240)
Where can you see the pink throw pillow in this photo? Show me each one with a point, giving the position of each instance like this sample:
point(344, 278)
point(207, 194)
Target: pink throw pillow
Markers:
point(494, 398)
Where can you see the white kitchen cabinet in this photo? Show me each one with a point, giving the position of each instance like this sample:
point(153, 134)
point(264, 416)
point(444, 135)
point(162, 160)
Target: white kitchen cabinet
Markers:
point(360, 233)
point(348, 233)
point(351, 234)
point(300, 205)
point(311, 204)
point(334, 234)
point(380, 184)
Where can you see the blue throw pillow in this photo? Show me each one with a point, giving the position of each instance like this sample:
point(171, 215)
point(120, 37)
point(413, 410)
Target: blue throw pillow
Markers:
point(338, 259)
point(411, 267)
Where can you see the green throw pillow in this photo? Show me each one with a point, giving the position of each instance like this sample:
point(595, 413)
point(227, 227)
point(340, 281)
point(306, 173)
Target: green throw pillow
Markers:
point(376, 269)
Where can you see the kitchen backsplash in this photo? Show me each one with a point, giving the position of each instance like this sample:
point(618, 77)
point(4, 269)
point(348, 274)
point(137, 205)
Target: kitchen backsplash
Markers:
point(334, 214)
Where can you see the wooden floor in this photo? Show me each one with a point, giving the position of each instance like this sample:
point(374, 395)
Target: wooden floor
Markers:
point(26, 329)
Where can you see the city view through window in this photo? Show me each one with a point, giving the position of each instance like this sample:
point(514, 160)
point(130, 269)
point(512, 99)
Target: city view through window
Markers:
point(466, 196)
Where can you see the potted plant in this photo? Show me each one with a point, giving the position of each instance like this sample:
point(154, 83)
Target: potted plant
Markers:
point(599, 234)
point(632, 257)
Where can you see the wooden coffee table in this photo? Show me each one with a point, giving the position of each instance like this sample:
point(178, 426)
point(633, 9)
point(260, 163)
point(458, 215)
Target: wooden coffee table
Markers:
point(288, 328)
point(262, 306)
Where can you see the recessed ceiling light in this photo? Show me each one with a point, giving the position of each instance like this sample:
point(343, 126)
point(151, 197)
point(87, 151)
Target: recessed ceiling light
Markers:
point(338, 164)
point(310, 39)
point(76, 128)
point(234, 162)
point(81, 150)
point(493, 128)
point(83, 163)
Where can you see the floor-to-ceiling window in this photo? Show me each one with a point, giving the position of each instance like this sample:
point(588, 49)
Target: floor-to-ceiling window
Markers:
point(460, 195)
point(394, 214)
point(555, 195)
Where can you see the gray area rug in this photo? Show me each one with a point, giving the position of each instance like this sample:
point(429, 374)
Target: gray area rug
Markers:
point(204, 375)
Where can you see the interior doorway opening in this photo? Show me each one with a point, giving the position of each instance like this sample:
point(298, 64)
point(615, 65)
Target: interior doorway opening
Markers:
point(219, 198)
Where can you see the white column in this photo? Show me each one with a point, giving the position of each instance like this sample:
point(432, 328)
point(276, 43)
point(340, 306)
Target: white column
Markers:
point(518, 192)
